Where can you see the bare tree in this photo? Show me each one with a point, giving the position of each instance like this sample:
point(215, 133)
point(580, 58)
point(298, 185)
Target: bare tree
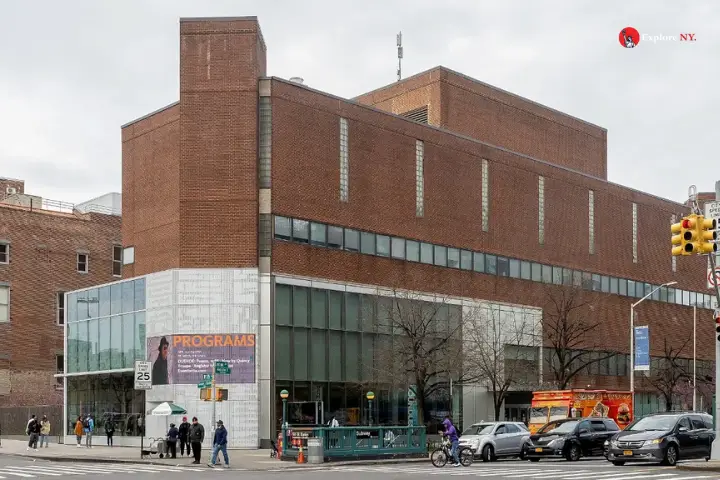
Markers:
point(419, 344)
point(570, 330)
point(501, 347)
point(671, 376)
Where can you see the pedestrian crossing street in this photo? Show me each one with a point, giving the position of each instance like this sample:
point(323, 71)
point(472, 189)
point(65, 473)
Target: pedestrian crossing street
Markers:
point(592, 470)
point(60, 469)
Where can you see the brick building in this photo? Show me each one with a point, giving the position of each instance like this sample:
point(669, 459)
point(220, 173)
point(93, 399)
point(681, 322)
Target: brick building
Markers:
point(46, 249)
point(438, 184)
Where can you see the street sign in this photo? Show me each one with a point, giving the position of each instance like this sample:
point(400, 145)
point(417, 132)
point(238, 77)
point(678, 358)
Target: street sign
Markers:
point(143, 375)
point(222, 368)
point(713, 279)
point(642, 348)
point(712, 210)
point(207, 381)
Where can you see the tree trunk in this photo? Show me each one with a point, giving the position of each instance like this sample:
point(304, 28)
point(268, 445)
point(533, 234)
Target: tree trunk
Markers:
point(498, 405)
point(668, 404)
point(420, 402)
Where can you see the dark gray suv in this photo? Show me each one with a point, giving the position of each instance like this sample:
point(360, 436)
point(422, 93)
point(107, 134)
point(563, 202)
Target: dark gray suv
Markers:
point(663, 438)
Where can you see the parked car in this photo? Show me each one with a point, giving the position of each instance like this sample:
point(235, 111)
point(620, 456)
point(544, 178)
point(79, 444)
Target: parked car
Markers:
point(663, 438)
point(491, 440)
point(570, 438)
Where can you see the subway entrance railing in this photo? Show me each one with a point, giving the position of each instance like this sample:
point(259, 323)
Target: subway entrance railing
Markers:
point(356, 442)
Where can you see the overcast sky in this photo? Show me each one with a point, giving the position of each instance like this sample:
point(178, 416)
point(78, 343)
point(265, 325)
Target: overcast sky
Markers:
point(72, 72)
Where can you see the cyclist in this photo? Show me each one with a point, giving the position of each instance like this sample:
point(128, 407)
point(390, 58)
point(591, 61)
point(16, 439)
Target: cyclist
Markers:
point(452, 435)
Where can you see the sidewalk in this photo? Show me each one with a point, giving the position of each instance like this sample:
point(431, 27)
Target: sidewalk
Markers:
point(700, 466)
point(257, 460)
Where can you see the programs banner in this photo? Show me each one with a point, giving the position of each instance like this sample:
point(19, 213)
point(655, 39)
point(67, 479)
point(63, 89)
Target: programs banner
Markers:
point(184, 359)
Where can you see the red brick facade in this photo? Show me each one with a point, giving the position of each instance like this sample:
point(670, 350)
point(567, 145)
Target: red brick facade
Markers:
point(206, 149)
point(43, 262)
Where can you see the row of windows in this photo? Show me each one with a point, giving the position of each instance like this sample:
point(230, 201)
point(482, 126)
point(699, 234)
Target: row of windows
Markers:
point(115, 299)
point(331, 236)
point(82, 259)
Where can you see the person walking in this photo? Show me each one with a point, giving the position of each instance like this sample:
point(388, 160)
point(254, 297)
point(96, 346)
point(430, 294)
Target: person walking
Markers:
point(197, 436)
point(33, 431)
point(88, 427)
point(184, 433)
point(79, 431)
point(172, 437)
point(44, 431)
point(219, 445)
point(109, 431)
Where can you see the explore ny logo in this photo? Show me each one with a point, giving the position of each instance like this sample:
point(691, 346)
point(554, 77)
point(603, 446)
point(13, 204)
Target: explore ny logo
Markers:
point(629, 37)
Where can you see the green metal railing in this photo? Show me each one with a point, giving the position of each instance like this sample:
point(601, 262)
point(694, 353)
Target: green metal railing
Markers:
point(349, 442)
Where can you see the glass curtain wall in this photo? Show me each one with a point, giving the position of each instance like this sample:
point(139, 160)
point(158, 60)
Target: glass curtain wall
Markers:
point(332, 346)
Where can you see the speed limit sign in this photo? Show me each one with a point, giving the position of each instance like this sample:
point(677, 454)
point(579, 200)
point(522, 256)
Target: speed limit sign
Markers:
point(143, 375)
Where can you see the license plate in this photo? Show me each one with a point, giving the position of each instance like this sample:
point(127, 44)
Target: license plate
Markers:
point(538, 450)
point(627, 453)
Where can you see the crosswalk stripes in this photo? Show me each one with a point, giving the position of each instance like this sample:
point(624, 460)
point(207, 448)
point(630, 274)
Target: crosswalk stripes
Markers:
point(34, 470)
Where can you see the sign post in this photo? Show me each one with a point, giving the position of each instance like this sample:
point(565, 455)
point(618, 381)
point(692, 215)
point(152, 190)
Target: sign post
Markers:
point(220, 367)
point(143, 375)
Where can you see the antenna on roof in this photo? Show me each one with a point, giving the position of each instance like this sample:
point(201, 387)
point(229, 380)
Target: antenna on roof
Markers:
point(400, 55)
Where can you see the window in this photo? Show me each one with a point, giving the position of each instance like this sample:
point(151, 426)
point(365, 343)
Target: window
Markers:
point(383, 245)
point(419, 178)
point(128, 256)
point(605, 284)
point(525, 270)
point(635, 232)
point(283, 228)
point(440, 256)
point(82, 262)
point(352, 240)
point(453, 255)
point(541, 210)
point(596, 283)
point(485, 196)
point(623, 286)
point(300, 230)
point(318, 234)
point(591, 221)
point(367, 243)
point(598, 426)
point(479, 262)
point(398, 248)
point(4, 253)
point(344, 161)
point(567, 276)
point(4, 304)
point(536, 272)
point(426, 253)
point(117, 260)
point(557, 275)
point(59, 368)
point(503, 267)
point(514, 268)
point(412, 251)
point(546, 274)
point(613, 285)
point(335, 237)
point(60, 308)
point(466, 260)
point(491, 264)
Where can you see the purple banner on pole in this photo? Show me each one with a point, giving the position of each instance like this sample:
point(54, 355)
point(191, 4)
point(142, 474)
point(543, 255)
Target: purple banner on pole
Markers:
point(184, 359)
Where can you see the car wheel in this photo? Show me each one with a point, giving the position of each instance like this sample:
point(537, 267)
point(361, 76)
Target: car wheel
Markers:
point(573, 453)
point(707, 459)
point(522, 455)
point(671, 456)
point(618, 463)
point(488, 453)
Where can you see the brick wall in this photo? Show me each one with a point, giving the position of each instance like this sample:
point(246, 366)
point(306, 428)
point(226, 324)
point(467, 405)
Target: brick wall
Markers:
point(481, 111)
point(5, 183)
point(151, 191)
point(43, 262)
point(382, 193)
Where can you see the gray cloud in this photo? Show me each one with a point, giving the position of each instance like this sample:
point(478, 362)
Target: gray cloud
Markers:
point(74, 71)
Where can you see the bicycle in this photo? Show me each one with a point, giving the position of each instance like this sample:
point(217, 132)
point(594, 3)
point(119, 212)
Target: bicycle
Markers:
point(440, 456)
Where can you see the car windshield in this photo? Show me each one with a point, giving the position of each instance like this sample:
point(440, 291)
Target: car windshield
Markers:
point(661, 423)
point(559, 427)
point(479, 430)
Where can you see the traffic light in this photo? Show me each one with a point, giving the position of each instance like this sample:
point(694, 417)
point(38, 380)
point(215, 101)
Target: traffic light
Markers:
point(221, 394)
point(717, 326)
point(684, 235)
point(706, 234)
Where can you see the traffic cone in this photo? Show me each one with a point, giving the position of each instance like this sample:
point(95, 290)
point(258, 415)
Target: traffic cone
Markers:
point(301, 456)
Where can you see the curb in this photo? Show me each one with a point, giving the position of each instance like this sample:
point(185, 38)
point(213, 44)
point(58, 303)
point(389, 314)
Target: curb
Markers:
point(698, 468)
point(52, 458)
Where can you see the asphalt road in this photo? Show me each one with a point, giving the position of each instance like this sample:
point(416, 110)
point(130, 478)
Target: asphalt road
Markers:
point(13, 468)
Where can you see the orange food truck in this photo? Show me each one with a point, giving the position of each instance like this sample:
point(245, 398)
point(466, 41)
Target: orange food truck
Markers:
point(552, 405)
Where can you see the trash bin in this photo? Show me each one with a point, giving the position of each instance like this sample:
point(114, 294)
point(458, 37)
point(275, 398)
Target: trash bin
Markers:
point(316, 452)
point(162, 448)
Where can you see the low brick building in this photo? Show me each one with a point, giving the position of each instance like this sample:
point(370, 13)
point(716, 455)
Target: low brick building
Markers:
point(46, 249)
point(438, 184)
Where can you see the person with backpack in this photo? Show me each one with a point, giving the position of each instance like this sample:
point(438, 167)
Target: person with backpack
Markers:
point(172, 437)
point(88, 427)
point(109, 431)
point(79, 431)
point(197, 436)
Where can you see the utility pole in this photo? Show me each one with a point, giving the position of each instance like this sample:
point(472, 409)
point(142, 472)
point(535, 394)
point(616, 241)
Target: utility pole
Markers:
point(400, 56)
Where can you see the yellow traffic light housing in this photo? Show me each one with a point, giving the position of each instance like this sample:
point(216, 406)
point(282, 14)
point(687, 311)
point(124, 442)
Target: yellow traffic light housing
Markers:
point(706, 235)
point(677, 230)
point(685, 236)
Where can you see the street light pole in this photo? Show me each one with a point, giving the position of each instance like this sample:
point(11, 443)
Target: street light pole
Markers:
point(632, 340)
point(284, 396)
point(370, 396)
